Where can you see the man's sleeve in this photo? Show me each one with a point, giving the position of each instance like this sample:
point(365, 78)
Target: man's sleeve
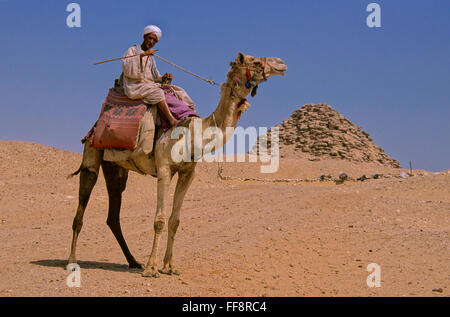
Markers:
point(158, 78)
point(131, 67)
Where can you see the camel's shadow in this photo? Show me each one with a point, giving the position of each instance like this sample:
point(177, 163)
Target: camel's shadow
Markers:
point(88, 265)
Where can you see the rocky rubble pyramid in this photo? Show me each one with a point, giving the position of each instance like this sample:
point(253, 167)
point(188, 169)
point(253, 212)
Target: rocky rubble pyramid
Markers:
point(318, 131)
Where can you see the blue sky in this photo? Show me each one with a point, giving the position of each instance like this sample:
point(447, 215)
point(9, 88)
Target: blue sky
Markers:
point(393, 81)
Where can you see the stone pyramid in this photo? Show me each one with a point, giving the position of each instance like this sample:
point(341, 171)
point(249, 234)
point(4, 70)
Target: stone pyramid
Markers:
point(319, 131)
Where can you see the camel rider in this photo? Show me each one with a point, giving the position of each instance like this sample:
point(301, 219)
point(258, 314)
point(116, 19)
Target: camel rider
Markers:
point(141, 78)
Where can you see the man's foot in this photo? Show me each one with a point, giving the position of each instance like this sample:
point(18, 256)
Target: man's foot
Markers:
point(174, 122)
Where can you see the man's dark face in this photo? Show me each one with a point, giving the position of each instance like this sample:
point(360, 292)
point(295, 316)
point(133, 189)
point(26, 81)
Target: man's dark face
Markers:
point(150, 39)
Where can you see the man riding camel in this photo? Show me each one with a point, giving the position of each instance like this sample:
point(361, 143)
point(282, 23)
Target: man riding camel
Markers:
point(142, 80)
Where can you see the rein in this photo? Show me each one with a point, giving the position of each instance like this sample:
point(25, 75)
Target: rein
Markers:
point(210, 81)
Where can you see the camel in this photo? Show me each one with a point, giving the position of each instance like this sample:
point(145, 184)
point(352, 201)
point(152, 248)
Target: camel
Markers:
point(243, 78)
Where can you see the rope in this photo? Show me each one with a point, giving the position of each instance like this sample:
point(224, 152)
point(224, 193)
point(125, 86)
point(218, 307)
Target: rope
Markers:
point(185, 70)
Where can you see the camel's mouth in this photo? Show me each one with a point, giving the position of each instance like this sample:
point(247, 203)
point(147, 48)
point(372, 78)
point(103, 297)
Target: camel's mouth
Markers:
point(275, 66)
point(272, 65)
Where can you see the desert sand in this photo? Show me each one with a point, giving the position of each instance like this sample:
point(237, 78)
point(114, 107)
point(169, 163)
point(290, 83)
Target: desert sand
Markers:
point(236, 237)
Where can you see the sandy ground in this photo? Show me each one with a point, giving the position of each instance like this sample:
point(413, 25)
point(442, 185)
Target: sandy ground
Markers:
point(236, 238)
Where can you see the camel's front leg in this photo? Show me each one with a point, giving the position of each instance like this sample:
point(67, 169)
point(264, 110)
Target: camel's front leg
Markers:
point(185, 179)
point(164, 178)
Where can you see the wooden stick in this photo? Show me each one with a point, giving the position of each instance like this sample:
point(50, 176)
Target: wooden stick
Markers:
point(116, 59)
point(165, 60)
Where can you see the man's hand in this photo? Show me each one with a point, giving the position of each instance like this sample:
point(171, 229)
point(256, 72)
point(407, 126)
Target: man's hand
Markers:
point(167, 76)
point(148, 52)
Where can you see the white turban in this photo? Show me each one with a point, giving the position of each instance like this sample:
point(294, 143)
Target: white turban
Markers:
point(153, 28)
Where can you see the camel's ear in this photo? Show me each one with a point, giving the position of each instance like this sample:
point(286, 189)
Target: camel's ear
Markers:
point(240, 58)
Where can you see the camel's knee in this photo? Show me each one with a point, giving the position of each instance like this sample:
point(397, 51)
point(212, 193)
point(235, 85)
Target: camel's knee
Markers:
point(173, 225)
point(123, 177)
point(87, 182)
point(112, 222)
point(89, 171)
point(159, 224)
point(76, 226)
point(77, 223)
point(88, 177)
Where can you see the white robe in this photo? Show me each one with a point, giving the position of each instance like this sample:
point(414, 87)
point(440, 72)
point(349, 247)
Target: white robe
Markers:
point(140, 77)
point(142, 80)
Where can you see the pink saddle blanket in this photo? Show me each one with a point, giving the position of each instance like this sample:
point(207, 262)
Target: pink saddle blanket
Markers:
point(118, 124)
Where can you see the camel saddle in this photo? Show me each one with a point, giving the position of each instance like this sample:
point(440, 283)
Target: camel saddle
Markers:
point(122, 128)
point(118, 123)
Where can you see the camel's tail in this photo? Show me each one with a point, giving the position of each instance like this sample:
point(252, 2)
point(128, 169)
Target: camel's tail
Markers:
point(75, 173)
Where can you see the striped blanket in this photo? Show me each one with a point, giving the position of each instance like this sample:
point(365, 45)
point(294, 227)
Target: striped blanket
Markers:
point(118, 124)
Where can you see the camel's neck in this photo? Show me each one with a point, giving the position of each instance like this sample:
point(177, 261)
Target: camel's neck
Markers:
point(223, 117)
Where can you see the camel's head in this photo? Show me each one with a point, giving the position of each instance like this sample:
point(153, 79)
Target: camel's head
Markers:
point(248, 71)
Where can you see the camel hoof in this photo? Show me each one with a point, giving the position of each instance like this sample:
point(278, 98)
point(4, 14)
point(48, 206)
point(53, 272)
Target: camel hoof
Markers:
point(150, 273)
point(169, 272)
point(70, 264)
point(136, 265)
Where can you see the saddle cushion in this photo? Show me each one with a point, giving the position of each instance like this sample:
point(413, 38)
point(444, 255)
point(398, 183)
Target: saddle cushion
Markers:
point(178, 108)
point(118, 124)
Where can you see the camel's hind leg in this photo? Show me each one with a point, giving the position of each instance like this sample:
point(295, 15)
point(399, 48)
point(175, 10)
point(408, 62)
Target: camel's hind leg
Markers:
point(88, 177)
point(116, 180)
